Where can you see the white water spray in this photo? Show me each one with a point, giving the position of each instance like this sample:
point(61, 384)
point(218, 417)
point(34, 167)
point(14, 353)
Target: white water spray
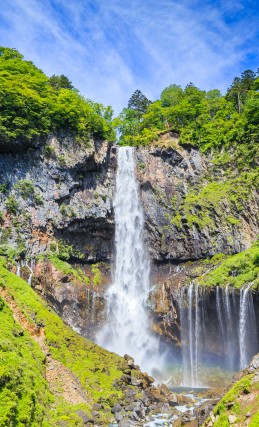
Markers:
point(127, 328)
point(191, 324)
point(18, 269)
point(246, 324)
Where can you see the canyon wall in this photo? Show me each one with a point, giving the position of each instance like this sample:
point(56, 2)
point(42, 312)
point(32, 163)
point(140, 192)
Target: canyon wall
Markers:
point(56, 202)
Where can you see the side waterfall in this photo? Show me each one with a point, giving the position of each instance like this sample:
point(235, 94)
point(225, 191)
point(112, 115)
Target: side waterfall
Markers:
point(127, 328)
point(223, 320)
point(247, 326)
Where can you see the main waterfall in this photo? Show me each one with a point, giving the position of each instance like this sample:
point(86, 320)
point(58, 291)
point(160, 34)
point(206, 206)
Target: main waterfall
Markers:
point(127, 328)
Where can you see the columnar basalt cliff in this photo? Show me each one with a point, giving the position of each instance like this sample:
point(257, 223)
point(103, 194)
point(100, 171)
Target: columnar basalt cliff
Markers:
point(57, 202)
point(61, 190)
point(194, 209)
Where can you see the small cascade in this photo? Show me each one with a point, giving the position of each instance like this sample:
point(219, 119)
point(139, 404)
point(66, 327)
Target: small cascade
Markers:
point(127, 328)
point(247, 326)
point(220, 320)
point(220, 314)
point(18, 269)
point(229, 327)
point(191, 318)
point(30, 268)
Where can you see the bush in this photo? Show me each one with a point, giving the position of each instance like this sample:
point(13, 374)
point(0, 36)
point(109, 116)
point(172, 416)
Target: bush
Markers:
point(256, 260)
point(25, 188)
point(12, 205)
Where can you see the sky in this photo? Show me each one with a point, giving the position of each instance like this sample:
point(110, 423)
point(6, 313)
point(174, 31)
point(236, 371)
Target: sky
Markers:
point(110, 48)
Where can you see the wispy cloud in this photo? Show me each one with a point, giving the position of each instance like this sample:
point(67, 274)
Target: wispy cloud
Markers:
point(110, 48)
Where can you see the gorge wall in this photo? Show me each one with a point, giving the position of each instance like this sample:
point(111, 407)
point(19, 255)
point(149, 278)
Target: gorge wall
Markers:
point(61, 190)
point(194, 208)
point(57, 206)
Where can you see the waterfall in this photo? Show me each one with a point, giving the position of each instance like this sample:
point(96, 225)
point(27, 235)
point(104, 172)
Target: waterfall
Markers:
point(197, 335)
point(30, 268)
point(247, 326)
point(219, 314)
point(18, 269)
point(229, 327)
point(127, 327)
point(232, 331)
point(190, 318)
point(191, 322)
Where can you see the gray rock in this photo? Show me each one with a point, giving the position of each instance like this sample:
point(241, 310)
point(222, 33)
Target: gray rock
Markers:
point(86, 419)
point(254, 364)
point(118, 416)
point(116, 408)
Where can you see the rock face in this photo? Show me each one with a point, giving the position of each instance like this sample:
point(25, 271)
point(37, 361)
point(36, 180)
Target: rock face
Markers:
point(64, 190)
point(192, 208)
point(60, 191)
point(58, 198)
point(80, 304)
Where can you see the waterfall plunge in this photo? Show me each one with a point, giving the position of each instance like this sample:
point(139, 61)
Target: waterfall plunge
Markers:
point(127, 328)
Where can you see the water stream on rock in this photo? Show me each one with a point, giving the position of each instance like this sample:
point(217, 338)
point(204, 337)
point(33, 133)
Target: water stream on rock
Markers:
point(127, 328)
point(247, 326)
point(232, 334)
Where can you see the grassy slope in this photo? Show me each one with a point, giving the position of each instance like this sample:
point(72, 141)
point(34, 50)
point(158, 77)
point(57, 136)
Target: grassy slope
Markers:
point(241, 399)
point(22, 383)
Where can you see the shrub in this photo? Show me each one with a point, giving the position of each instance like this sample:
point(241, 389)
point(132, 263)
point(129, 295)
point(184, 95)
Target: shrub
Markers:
point(25, 188)
point(12, 205)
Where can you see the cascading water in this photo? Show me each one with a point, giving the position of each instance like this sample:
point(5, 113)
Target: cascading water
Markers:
point(231, 332)
point(247, 326)
point(18, 269)
point(191, 322)
point(127, 328)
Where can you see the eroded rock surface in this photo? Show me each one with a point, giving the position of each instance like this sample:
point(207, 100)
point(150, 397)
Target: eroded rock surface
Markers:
point(192, 208)
point(61, 190)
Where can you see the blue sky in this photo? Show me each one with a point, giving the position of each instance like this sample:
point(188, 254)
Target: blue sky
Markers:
point(109, 48)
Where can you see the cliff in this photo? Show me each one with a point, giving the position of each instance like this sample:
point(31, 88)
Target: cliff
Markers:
point(57, 211)
point(59, 192)
point(196, 206)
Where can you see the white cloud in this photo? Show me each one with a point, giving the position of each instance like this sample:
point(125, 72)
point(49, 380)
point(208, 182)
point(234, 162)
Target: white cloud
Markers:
point(108, 49)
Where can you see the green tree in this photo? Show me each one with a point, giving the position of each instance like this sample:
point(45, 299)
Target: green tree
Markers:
point(138, 103)
point(171, 95)
point(31, 105)
point(60, 82)
point(239, 89)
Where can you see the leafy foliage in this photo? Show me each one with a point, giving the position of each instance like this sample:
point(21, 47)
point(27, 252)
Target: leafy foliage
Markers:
point(32, 105)
point(128, 123)
point(207, 120)
point(24, 394)
point(138, 102)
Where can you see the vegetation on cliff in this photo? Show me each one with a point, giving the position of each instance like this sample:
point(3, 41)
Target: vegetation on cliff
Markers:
point(33, 105)
point(207, 120)
point(226, 199)
point(234, 270)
